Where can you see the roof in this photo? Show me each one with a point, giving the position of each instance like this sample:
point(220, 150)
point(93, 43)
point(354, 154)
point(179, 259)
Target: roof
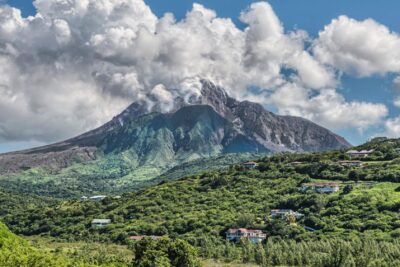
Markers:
point(101, 221)
point(281, 210)
point(98, 196)
point(321, 184)
point(359, 152)
point(244, 230)
point(137, 237)
point(250, 163)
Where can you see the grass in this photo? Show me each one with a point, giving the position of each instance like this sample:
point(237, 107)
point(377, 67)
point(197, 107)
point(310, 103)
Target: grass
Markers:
point(90, 250)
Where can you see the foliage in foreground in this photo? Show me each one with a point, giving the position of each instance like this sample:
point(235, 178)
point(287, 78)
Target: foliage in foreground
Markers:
point(165, 252)
point(334, 252)
point(15, 251)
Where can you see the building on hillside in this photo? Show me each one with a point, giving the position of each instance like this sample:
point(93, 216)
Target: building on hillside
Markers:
point(350, 163)
point(280, 213)
point(255, 236)
point(84, 198)
point(250, 165)
point(297, 162)
point(359, 154)
point(321, 187)
point(140, 237)
point(97, 198)
point(100, 223)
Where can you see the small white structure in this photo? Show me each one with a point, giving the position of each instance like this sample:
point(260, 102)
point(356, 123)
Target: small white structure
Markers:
point(321, 187)
point(350, 163)
point(361, 153)
point(100, 223)
point(255, 236)
point(97, 198)
point(250, 165)
point(279, 213)
point(84, 198)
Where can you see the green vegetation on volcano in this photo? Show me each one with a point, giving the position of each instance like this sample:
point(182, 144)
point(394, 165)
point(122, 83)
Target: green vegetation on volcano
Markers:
point(112, 174)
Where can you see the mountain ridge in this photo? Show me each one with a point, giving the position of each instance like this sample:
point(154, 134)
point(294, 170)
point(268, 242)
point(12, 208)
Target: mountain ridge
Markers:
point(210, 124)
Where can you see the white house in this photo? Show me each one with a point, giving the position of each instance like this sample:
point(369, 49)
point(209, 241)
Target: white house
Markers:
point(100, 223)
point(279, 213)
point(255, 236)
point(84, 198)
point(361, 153)
point(97, 198)
point(250, 165)
point(350, 163)
point(322, 187)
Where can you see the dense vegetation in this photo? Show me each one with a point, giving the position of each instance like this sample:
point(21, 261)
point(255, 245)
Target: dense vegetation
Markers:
point(111, 174)
point(15, 251)
point(358, 224)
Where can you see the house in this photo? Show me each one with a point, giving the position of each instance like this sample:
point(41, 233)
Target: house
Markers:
point(97, 198)
point(255, 236)
point(358, 154)
point(250, 165)
point(350, 163)
point(100, 223)
point(321, 187)
point(140, 237)
point(280, 213)
point(297, 162)
point(84, 198)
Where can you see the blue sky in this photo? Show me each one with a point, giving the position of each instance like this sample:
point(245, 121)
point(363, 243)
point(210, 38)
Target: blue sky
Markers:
point(311, 16)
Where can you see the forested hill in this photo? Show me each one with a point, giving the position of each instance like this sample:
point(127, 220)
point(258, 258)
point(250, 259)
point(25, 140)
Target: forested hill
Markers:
point(207, 204)
point(361, 219)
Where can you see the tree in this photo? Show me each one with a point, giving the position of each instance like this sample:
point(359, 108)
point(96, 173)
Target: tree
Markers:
point(353, 175)
point(164, 252)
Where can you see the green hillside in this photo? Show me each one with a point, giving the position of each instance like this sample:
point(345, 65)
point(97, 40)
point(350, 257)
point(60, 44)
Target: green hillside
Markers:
point(200, 208)
point(112, 174)
point(14, 251)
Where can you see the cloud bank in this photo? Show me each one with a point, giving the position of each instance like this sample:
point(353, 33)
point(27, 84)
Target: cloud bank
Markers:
point(77, 63)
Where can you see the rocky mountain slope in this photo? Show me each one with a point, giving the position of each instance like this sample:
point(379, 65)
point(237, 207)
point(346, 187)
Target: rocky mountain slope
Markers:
point(209, 125)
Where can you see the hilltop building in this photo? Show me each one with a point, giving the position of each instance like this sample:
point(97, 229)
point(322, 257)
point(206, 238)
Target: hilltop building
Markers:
point(279, 213)
point(97, 198)
point(255, 236)
point(250, 165)
point(351, 163)
point(321, 187)
point(359, 154)
point(100, 223)
point(140, 237)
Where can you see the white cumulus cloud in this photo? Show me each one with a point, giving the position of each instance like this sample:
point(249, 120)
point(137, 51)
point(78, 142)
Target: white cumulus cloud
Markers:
point(360, 47)
point(77, 63)
point(327, 107)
